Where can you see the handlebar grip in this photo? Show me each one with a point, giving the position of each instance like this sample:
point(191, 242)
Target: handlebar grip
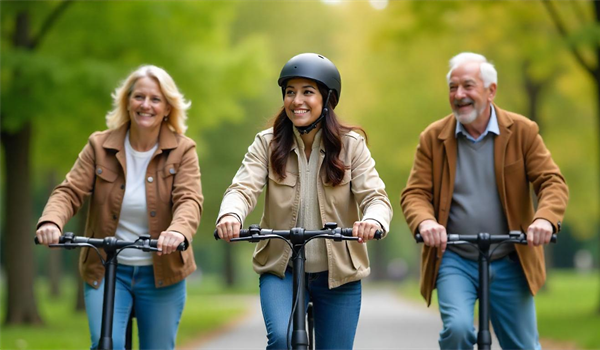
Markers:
point(181, 247)
point(419, 238)
point(243, 233)
point(348, 232)
point(61, 240)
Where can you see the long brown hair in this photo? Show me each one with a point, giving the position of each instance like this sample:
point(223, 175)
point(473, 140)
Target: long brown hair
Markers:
point(333, 130)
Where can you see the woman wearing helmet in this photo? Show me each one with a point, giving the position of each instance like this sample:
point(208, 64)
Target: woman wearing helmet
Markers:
point(316, 170)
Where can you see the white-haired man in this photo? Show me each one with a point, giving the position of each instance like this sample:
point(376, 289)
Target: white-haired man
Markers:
point(471, 174)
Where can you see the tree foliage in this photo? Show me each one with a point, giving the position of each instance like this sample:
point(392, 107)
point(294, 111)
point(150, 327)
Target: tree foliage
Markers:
point(226, 57)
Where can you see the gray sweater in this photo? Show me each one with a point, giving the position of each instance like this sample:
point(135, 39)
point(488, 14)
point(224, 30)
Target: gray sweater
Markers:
point(476, 204)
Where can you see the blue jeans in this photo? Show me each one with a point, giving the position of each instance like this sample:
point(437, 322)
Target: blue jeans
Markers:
point(336, 310)
point(512, 309)
point(157, 310)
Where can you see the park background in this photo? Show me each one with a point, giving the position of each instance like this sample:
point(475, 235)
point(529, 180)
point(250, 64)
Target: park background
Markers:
point(61, 60)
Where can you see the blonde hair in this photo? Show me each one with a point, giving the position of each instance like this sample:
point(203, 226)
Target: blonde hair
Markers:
point(176, 119)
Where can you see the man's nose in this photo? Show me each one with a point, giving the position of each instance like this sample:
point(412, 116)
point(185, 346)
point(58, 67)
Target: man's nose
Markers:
point(460, 92)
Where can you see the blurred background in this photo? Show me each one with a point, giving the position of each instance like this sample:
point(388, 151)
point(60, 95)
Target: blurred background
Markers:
point(61, 60)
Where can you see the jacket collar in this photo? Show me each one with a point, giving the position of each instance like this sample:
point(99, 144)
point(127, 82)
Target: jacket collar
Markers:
point(116, 139)
point(504, 120)
point(449, 128)
point(298, 139)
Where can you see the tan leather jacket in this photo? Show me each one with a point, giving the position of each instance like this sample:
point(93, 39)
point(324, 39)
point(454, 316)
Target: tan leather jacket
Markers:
point(520, 159)
point(361, 191)
point(173, 195)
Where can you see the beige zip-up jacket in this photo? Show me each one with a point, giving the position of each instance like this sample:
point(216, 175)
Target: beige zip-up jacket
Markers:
point(361, 195)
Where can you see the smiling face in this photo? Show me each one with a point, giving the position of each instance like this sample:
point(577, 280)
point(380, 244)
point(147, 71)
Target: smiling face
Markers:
point(147, 105)
point(469, 99)
point(302, 101)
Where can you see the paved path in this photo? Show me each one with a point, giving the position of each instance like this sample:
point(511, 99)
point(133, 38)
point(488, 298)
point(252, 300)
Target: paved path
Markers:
point(386, 322)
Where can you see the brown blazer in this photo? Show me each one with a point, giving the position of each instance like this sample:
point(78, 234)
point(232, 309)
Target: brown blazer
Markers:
point(520, 158)
point(173, 195)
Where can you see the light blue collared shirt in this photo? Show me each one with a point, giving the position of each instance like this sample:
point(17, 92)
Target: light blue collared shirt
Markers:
point(491, 127)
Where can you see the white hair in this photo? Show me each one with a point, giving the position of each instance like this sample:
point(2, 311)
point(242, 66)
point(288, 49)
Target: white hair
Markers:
point(487, 72)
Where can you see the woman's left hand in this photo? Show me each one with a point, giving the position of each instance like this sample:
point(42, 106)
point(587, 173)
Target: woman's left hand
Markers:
point(365, 230)
point(169, 241)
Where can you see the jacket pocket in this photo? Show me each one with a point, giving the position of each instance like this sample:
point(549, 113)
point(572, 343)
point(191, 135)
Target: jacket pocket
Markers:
point(355, 256)
point(290, 179)
point(340, 194)
point(345, 180)
point(165, 186)
point(182, 257)
point(281, 196)
point(515, 166)
point(261, 253)
point(105, 181)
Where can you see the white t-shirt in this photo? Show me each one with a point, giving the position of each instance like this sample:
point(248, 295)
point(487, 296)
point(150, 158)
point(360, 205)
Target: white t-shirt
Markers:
point(133, 220)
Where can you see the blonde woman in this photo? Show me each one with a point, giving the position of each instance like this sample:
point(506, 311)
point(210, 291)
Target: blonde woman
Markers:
point(143, 177)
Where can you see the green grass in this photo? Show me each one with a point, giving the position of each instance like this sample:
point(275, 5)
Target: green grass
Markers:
point(63, 328)
point(567, 308)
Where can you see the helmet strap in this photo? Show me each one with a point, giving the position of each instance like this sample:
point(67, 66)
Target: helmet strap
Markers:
point(306, 129)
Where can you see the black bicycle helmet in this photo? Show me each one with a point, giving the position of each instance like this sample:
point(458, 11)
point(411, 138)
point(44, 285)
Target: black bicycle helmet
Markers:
point(312, 66)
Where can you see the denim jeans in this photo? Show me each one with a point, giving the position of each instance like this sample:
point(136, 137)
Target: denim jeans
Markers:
point(512, 308)
point(336, 310)
point(157, 310)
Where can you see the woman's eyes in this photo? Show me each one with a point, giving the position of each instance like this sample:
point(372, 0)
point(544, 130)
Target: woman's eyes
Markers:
point(305, 92)
point(142, 97)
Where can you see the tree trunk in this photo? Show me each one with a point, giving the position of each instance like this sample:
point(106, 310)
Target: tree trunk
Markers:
point(81, 221)
point(534, 89)
point(21, 304)
point(589, 67)
point(597, 77)
point(55, 271)
point(55, 255)
point(597, 81)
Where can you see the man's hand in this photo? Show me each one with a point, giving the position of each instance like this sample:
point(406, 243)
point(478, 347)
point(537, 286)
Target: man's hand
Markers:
point(434, 235)
point(539, 232)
